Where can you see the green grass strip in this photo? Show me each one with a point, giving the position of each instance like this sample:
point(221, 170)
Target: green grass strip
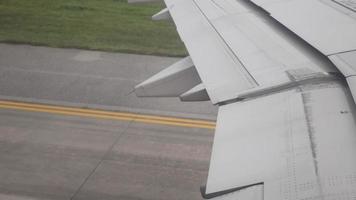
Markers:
point(108, 25)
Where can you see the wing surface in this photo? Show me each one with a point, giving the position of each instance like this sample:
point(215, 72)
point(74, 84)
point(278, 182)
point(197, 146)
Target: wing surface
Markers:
point(286, 123)
point(328, 25)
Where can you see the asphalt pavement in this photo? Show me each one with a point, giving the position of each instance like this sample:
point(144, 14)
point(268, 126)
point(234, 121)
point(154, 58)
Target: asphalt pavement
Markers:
point(88, 79)
point(47, 156)
point(65, 153)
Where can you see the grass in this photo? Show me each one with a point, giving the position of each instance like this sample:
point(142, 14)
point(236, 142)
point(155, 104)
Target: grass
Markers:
point(108, 25)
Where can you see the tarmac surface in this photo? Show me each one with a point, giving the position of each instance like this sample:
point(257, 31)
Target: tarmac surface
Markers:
point(88, 79)
point(51, 155)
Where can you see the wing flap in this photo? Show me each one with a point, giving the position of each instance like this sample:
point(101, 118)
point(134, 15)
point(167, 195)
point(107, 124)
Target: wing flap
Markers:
point(251, 152)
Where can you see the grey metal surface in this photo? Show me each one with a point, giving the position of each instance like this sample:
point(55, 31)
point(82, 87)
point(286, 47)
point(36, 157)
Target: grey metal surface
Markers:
point(220, 71)
point(281, 99)
point(350, 4)
point(162, 15)
point(88, 79)
point(292, 139)
point(197, 93)
point(170, 82)
point(54, 157)
point(346, 63)
point(263, 46)
point(240, 46)
point(325, 24)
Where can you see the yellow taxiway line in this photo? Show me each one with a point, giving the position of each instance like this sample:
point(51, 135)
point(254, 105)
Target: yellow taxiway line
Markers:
point(107, 114)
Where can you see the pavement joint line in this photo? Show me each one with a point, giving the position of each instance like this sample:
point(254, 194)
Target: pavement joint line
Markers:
point(152, 119)
point(107, 153)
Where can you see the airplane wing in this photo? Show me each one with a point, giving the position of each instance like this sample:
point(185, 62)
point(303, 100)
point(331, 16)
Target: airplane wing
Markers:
point(283, 74)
